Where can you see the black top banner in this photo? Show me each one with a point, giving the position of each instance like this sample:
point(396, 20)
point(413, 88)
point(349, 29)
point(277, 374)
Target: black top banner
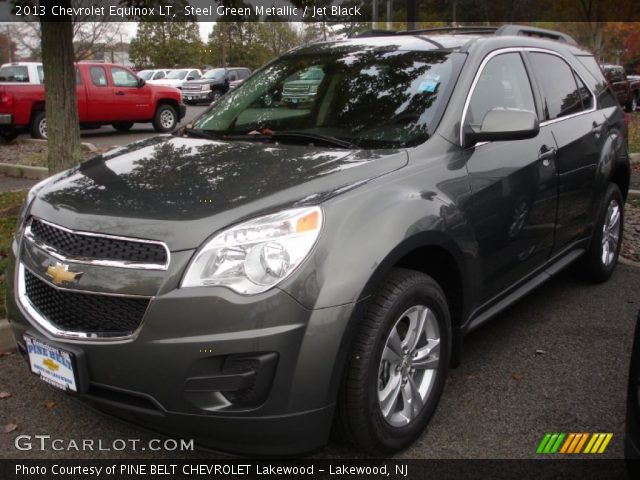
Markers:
point(334, 11)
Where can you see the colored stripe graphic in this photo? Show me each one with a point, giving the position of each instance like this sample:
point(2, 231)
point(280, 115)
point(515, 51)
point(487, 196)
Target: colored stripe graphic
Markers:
point(573, 443)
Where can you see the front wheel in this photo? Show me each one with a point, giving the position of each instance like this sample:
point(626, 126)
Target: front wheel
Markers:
point(598, 263)
point(397, 369)
point(166, 119)
point(39, 125)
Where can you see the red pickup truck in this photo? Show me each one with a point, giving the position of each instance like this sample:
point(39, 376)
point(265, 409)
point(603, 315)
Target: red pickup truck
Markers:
point(107, 94)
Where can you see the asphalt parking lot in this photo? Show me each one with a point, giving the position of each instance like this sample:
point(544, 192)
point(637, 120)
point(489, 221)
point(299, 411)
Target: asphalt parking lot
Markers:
point(557, 361)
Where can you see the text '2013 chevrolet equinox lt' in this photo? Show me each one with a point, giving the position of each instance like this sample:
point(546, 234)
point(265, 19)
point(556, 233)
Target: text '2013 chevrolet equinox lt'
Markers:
point(271, 271)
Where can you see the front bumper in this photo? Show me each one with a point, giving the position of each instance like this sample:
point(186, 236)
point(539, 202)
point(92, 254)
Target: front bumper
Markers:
point(182, 372)
point(196, 95)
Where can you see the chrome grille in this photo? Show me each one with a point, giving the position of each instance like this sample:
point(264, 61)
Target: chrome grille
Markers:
point(96, 248)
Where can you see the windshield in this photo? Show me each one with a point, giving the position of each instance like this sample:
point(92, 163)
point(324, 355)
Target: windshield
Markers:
point(145, 74)
point(372, 97)
point(215, 73)
point(177, 74)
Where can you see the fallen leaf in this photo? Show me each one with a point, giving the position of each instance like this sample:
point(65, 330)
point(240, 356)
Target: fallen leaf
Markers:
point(6, 354)
point(10, 427)
point(4, 395)
point(49, 403)
point(540, 352)
point(517, 376)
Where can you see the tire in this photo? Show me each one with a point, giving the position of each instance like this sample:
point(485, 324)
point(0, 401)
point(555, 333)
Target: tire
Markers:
point(215, 96)
point(598, 263)
point(165, 119)
point(403, 298)
point(38, 128)
point(122, 126)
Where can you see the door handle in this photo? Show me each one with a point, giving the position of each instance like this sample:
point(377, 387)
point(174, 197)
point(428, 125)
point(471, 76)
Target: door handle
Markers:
point(120, 92)
point(596, 128)
point(546, 155)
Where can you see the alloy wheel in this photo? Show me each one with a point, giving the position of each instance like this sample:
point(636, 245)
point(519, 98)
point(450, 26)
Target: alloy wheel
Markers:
point(408, 365)
point(610, 233)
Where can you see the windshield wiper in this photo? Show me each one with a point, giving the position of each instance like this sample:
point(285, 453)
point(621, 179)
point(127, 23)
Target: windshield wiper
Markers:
point(195, 132)
point(314, 137)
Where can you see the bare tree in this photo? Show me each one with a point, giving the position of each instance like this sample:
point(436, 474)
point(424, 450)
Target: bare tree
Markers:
point(91, 34)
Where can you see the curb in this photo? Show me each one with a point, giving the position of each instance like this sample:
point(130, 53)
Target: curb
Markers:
point(7, 343)
point(634, 192)
point(23, 171)
point(626, 261)
point(39, 141)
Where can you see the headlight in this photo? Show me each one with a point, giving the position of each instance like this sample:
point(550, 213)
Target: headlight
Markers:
point(258, 254)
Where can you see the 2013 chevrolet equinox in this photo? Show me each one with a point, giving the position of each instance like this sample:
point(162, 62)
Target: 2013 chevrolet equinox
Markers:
point(269, 267)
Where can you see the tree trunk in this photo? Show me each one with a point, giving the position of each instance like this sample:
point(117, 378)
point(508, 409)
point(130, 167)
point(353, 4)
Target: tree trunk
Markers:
point(61, 106)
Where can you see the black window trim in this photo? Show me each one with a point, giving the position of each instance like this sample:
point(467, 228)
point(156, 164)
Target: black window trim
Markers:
point(522, 50)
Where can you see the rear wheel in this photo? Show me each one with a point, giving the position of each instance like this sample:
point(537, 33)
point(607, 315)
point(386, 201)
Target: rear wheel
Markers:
point(600, 260)
point(166, 119)
point(398, 365)
point(38, 127)
point(122, 126)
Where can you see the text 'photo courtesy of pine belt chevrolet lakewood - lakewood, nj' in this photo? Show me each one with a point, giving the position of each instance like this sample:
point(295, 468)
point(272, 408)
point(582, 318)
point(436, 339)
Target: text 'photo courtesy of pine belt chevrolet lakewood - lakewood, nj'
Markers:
point(310, 251)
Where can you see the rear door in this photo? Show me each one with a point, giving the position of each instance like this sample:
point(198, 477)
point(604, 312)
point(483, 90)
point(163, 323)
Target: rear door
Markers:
point(99, 95)
point(570, 112)
point(513, 183)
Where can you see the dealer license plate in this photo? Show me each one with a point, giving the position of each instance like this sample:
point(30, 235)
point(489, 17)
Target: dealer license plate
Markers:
point(51, 364)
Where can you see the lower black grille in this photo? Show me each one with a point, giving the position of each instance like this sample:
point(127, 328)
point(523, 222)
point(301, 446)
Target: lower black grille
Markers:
point(77, 245)
point(85, 312)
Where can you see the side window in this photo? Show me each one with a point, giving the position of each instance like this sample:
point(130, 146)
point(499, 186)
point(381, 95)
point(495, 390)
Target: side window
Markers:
point(159, 75)
point(123, 78)
point(561, 94)
point(98, 76)
point(194, 74)
point(233, 76)
point(503, 83)
point(244, 73)
point(41, 74)
point(585, 94)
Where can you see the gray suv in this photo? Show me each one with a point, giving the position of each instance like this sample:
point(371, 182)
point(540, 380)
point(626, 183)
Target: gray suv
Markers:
point(269, 272)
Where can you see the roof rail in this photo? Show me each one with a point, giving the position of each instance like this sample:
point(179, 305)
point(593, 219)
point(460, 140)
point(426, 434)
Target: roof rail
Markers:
point(527, 31)
point(375, 33)
point(466, 29)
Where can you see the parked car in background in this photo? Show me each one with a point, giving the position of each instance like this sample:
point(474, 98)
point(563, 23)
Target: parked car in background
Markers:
point(107, 94)
point(626, 89)
point(302, 90)
point(149, 75)
point(176, 78)
point(213, 84)
point(22, 72)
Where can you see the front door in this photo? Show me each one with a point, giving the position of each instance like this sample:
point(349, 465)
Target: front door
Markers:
point(513, 183)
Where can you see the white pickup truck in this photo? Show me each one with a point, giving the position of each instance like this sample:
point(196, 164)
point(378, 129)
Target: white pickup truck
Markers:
point(22, 72)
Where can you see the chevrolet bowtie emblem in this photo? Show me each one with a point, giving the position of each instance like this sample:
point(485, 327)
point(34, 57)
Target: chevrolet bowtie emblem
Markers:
point(60, 273)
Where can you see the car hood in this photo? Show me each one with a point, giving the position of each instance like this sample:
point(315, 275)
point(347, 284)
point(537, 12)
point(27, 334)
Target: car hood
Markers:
point(181, 190)
point(172, 82)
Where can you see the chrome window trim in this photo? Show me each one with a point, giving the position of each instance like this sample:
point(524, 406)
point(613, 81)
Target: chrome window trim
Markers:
point(501, 51)
point(28, 234)
point(32, 312)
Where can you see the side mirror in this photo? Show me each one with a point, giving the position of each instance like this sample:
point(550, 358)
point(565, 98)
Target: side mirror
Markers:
point(141, 82)
point(191, 77)
point(502, 124)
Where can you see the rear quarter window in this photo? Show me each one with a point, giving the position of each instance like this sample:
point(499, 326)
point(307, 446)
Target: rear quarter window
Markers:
point(14, 73)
